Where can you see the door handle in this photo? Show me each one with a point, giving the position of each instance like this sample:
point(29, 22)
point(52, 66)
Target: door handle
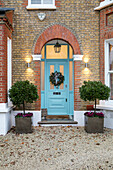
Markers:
point(66, 99)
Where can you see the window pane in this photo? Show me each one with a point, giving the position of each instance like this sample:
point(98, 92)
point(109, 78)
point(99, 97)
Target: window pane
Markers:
point(62, 71)
point(111, 57)
point(50, 53)
point(42, 76)
point(111, 86)
point(51, 71)
point(47, 1)
point(35, 1)
point(70, 75)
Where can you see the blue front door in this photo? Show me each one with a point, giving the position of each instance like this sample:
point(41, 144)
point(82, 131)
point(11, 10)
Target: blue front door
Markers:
point(57, 101)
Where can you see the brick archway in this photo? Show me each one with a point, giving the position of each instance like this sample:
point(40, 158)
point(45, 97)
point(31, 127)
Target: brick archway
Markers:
point(60, 32)
point(51, 33)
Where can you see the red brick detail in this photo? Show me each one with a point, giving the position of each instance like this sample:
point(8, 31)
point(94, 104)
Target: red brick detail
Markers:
point(1, 3)
point(9, 15)
point(25, 3)
point(106, 32)
point(4, 33)
point(57, 3)
point(8, 20)
point(107, 15)
point(54, 32)
point(77, 81)
point(37, 70)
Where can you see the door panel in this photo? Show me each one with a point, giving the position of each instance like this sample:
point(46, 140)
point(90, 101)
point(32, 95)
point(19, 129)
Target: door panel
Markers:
point(57, 97)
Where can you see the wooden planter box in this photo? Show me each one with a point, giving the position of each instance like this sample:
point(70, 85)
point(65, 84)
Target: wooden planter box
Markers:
point(94, 124)
point(23, 124)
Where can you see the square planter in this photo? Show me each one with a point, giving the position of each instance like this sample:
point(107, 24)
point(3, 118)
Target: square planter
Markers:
point(23, 124)
point(94, 124)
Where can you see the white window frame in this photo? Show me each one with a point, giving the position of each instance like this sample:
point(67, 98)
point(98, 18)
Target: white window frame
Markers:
point(107, 71)
point(41, 6)
point(9, 67)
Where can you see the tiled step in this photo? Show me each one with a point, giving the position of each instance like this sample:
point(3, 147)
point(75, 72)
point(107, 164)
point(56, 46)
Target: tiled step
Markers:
point(57, 117)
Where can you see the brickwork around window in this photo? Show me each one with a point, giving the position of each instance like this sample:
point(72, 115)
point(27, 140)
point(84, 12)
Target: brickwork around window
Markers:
point(78, 17)
point(106, 32)
point(25, 3)
point(5, 31)
point(109, 19)
point(1, 3)
point(57, 3)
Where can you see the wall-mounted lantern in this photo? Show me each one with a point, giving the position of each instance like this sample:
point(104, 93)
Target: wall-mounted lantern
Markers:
point(28, 59)
point(86, 65)
point(57, 47)
point(85, 60)
point(28, 65)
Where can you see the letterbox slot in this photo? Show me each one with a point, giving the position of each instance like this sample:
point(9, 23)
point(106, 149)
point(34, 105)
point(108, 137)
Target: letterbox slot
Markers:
point(56, 93)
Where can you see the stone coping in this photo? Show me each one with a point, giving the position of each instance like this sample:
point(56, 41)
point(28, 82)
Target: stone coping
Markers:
point(6, 110)
point(105, 107)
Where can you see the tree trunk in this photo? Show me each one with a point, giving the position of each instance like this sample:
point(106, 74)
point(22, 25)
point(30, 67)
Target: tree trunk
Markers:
point(95, 106)
point(24, 107)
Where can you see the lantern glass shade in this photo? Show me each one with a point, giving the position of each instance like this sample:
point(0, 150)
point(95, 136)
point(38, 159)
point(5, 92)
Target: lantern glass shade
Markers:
point(28, 65)
point(57, 47)
point(86, 65)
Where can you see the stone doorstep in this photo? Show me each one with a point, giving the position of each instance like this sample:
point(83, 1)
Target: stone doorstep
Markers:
point(57, 122)
point(57, 119)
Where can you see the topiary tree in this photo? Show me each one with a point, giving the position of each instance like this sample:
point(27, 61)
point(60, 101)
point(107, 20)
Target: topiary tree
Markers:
point(23, 92)
point(93, 90)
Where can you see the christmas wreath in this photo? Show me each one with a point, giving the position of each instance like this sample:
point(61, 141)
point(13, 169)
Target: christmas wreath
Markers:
point(56, 78)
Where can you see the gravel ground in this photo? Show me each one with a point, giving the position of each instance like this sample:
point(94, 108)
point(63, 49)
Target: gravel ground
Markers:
point(57, 148)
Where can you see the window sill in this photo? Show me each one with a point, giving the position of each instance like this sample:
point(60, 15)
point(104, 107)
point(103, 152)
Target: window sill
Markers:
point(34, 7)
point(103, 4)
